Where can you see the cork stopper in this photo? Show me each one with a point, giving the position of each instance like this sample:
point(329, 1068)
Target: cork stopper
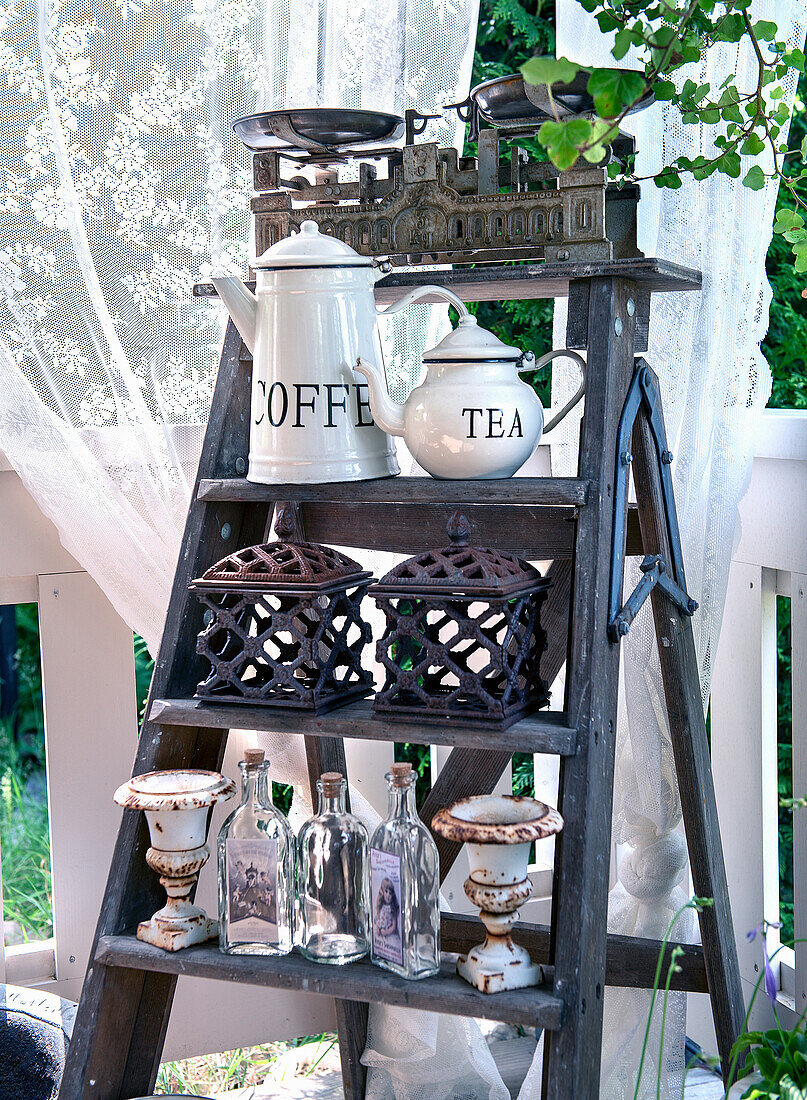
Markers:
point(401, 774)
point(331, 783)
point(254, 756)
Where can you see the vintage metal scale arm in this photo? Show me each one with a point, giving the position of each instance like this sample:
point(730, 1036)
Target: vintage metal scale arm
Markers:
point(564, 233)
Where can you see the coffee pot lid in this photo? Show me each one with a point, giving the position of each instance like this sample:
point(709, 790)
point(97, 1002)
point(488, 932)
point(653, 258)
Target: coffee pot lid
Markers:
point(469, 341)
point(310, 248)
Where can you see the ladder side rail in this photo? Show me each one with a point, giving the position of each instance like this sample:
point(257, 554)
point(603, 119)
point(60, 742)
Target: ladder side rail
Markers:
point(679, 670)
point(122, 1015)
point(582, 849)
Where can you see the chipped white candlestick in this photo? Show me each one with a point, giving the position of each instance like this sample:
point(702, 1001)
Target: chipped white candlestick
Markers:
point(176, 805)
point(498, 831)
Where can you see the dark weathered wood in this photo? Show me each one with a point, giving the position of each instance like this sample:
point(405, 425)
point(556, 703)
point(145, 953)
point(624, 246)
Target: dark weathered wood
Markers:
point(546, 731)
point(630, 961)
point(445, 992)
point(582, 849)
point(557, 491)
point(679, 670)
point(477, 771)
point(498, 283)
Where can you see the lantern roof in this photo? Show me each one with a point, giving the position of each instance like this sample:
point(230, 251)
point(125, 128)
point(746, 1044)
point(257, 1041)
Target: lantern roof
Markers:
point(462, 570)
point(284, 563)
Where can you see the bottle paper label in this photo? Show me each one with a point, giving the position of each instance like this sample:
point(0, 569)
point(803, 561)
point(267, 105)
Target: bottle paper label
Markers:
point(252, 890)
point(385, 874)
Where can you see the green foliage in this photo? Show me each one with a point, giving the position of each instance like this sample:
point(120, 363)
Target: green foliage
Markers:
point(784, 706)
point(510, 30)
point(144, 667)
point(25, 842)
point(749, 121)
point(781, 1059)
point(785, 345)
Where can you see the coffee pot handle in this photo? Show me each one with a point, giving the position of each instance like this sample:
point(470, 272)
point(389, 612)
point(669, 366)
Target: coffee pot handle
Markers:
point(542, 362)
point(421, 292)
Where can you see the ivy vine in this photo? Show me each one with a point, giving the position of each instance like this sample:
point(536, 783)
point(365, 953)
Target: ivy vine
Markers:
point(750, 121)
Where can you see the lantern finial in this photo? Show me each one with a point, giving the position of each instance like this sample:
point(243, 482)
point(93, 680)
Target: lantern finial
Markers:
point(459, 529)
point(285, 522)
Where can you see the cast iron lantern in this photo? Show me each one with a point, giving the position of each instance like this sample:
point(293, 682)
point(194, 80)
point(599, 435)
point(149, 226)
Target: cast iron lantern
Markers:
point(283, 625)
point(463, 637)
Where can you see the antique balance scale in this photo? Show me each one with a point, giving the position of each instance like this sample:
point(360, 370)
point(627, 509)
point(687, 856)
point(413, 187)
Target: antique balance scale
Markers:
point(565, 234)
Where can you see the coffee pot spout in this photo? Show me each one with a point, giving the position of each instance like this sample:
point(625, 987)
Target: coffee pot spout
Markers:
point(242, 305)
point(387, 414)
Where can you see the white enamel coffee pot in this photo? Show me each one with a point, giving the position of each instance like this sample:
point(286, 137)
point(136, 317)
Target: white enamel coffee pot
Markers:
point(312, 314)
point(471, 416)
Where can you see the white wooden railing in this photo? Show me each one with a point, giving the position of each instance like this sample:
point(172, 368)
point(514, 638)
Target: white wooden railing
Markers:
point(90, 729)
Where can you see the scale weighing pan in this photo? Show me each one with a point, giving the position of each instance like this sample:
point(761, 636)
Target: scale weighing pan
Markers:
point(507, 99)
point(318, 129)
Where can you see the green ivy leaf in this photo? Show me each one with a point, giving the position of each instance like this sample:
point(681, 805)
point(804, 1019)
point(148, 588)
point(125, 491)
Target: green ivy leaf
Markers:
point(752, 146)
point(754, 178)
point(664, 90)
point(622, 43)
point(794, 59)
point(612, 90)
point(765, 30)
point(562, 140)
point(548, 70)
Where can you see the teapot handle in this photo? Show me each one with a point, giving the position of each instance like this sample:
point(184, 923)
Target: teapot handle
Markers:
point(567, 408)
point(421, 292)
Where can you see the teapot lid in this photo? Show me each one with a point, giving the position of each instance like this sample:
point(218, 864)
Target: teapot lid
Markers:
point(310, 248)
point(469, 341)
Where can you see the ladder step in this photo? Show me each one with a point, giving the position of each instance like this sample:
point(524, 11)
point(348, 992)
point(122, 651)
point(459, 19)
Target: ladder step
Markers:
point(546, 731)
point(361, 981)
point(550, 491)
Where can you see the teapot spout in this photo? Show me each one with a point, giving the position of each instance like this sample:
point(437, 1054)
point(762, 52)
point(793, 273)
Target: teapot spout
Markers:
point(388, 414)
point(242, 305)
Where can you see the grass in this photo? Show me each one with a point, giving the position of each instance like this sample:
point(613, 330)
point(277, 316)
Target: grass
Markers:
point(250, 1066)
point(25, 844)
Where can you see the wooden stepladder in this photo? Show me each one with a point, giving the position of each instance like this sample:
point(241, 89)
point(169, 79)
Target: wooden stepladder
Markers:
point(583, 525)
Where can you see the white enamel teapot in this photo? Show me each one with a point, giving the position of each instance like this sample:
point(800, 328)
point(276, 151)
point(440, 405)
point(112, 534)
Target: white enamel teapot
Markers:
point(312, 314)
point(471, 416)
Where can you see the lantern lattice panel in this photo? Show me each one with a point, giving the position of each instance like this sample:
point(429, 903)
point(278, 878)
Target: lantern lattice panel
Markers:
point(472, 659)
point(287, 649)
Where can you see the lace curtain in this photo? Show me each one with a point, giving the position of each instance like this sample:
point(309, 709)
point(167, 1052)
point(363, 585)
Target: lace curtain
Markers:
point(715, 383)
point(122, 184)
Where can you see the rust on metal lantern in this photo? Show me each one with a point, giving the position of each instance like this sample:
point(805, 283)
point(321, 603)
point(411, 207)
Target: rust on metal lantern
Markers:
point(284, 625)
point(470, 570)
point(463, 638)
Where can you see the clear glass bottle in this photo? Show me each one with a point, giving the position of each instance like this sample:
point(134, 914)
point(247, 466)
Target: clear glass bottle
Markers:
point(333, 879)
point(256, 863)
point(405, 889)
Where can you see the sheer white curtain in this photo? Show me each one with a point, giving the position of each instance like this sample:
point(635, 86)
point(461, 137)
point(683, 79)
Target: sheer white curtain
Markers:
point(715, 382)
point(121, 184)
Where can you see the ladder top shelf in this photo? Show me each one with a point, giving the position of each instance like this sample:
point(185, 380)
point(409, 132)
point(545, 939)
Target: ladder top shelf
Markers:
point(549, 491)
point(544, 731)
point(506, 282)
point(360, 981)
point(500, 282)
